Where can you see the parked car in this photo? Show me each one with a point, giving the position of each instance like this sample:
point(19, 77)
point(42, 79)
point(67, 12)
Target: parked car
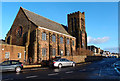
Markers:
point(61, 63)
point(11, 65)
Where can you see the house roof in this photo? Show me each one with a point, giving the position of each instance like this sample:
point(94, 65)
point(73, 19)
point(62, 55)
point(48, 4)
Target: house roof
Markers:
point(2, 41)
point(44, 22)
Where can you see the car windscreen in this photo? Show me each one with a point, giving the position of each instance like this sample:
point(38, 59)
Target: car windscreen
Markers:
point(5, 63)
point(56, 60)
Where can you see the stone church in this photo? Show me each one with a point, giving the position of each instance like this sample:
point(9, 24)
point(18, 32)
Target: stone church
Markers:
point(44, 39)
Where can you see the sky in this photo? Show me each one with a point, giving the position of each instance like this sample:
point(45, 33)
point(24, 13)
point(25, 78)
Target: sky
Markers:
point(60, 0)
point(101, 18)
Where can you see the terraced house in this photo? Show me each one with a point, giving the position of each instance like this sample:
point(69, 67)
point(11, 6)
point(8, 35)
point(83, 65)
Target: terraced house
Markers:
point(44, 39)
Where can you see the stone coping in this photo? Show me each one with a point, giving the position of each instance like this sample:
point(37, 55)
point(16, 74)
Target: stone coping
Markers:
point(31, 66)
point(13, 45)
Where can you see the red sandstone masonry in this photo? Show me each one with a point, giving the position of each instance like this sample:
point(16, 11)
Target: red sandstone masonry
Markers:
point(50, 44)
point(13, 50)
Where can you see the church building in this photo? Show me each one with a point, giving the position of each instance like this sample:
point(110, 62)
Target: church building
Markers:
point(44, 39)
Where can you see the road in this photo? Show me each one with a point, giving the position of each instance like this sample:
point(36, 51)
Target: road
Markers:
point(96, 70)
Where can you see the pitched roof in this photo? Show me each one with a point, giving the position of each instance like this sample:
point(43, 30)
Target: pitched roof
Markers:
point(44, 22)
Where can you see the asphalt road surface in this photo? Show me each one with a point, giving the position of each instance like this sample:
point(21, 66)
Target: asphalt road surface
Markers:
point(96, 70)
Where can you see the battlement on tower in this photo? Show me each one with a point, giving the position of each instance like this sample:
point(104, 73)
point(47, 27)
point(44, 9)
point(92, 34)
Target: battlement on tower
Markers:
point(78, 12)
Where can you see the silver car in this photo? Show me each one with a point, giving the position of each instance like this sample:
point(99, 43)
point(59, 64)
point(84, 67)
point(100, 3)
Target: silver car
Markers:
point(11, 65)
point(62, 62)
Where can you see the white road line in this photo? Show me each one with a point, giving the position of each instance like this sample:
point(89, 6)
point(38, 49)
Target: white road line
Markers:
point(52, 74)
point(34, 69)
point(31, 76)
point(24, 72)
point(69, 72)
point(100, 73)
point(5, 79)
point(102, 62)
point(8, 79)
point(83, 70)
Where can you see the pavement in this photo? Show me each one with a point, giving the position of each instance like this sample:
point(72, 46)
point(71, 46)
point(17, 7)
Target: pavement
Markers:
point(83, 63)
point(39, 66)
point(31, 66)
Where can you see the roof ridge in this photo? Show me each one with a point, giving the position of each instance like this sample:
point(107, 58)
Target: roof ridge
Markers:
point(57, 26)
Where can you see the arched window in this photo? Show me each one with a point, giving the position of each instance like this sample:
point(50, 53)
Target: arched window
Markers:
point(43, 36)
point(82, 23)
point(73, 43)
point(67, 41)
point(75, 24)
point(72, 24)
point(53, 52)
point(61, 40)
point(44, 51)
point(61, 52)
point(67, 52)
point(19, 31)
point(53, 38)
point(83, 45)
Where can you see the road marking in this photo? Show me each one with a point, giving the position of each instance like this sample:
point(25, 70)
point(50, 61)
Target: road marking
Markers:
point(24, 72)
point(8, 79)
point(83, 70)
point(100, 73)
point(5, 79)
point(102, 62)
point(34, 69)
point(56, 70)
point(31, 76)
point(69, 72)
point(84, 63)
point(52, 74)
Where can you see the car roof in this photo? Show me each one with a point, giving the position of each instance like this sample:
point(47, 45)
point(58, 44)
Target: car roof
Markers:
point(12, 60)
point(61, 58)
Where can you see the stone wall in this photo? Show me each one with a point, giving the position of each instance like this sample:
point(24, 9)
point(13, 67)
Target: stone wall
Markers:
point(76, 59)
point(83, 58)
point(93, 58)
point(13, 52)
point(82, 51)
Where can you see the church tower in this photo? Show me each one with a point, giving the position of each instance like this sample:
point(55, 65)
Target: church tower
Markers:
point(76, 27)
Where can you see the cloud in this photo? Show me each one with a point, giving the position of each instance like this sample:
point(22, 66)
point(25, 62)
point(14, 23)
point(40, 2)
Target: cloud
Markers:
point(98, 40)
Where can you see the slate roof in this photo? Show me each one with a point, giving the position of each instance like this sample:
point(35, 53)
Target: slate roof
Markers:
point(44, 22)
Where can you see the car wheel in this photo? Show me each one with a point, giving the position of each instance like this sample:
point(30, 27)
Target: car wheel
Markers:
point(73, 64)
point(60, 66)
point(18, 69)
